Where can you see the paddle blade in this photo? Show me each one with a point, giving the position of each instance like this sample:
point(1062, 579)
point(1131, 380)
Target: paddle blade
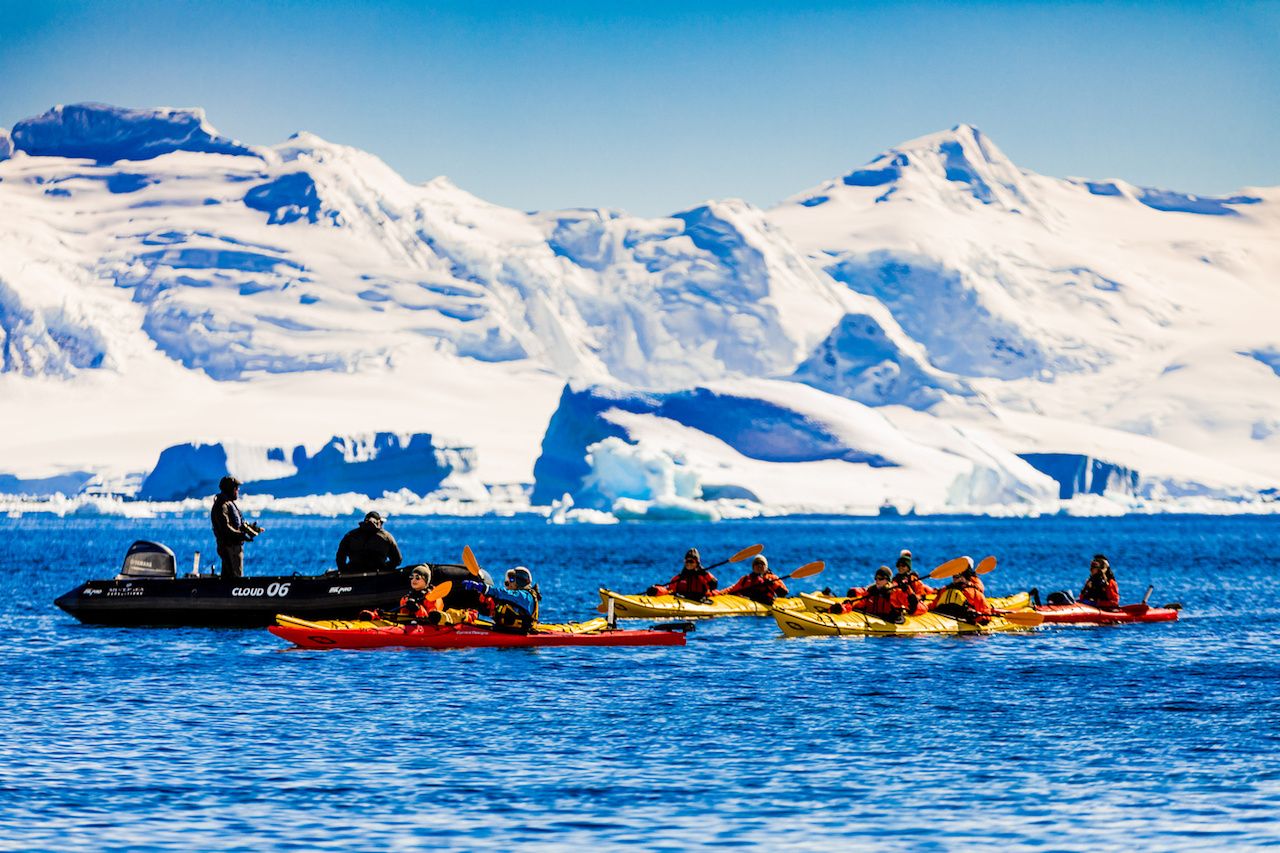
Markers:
point(950, 568)
point(1025, 618)
point(440, 590)
point(988, 564)
point(469, 560)
point(809, 570)
point(745, 554)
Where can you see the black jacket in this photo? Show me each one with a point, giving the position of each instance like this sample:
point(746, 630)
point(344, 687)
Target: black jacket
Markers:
point(368, 548)
point(229, 527)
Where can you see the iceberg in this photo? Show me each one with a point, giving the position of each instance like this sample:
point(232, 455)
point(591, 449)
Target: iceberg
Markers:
point(367, 464)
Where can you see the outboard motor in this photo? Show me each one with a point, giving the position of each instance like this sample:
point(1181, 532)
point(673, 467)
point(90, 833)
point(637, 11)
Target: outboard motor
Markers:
point(148, 560)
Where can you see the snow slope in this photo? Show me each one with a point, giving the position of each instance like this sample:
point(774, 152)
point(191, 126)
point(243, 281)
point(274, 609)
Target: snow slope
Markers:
point(163, 284)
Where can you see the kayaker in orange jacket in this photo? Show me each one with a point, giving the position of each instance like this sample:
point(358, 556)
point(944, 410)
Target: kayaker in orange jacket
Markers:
point(694, 582)
point(963, 598)
point(1101, 589)
point(759, 585)
point(909, 582)
point(414, 605)
point(881, 599)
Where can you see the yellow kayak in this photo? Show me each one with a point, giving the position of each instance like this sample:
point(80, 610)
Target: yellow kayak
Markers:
point(591, 626)
point(816, 602)
point(805, 623)
point(674, 607)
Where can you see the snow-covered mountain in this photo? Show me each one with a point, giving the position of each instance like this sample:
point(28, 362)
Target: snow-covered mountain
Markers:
point(161, 284)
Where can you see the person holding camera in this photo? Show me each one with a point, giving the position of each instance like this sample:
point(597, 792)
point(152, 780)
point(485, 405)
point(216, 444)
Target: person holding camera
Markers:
point(230, 530)
point(1101, 589)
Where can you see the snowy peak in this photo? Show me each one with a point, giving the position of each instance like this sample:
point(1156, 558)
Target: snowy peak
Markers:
point(107, 134)
point(960, 167)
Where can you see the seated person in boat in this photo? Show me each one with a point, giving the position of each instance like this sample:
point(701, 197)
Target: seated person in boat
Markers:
point(963, 599)
point(909, 582)
point(881, 599)
point(694, 582)
point(760, 585)
point(1101, 589)
point(368, 548)
point(515, 606)
point(415, 606)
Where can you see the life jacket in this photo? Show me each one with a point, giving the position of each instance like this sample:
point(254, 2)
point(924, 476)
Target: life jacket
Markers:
point(695, 585)
point(508, 616)
point(963, 600)
point(759, 588)
point(888, 602)
point(415, 605)
point(917, 593)
point(1101, 590)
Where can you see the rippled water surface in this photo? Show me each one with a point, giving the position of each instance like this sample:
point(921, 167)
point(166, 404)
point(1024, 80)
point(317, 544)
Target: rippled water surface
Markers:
point(1162, 736)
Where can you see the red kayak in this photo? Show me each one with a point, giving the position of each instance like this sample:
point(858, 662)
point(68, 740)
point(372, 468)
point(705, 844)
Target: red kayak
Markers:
point(315, 636)
point(1086, 614)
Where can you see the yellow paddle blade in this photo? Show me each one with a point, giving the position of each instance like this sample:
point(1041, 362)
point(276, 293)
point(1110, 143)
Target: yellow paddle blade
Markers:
point(1025, 618)
point(988, 564)
point(950, 568)
point(469, 560)
point(746, 554)
point(440, 590)
point(809, 570)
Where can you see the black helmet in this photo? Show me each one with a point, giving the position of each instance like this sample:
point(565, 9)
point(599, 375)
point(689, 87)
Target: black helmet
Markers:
point(228, 484)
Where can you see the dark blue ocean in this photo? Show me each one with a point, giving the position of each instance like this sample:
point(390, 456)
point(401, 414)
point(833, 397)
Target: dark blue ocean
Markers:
point(1154, 736)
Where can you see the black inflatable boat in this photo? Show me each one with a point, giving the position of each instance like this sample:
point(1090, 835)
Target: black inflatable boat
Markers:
point(147, 591)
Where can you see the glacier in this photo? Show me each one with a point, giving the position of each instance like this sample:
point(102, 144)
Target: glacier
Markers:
point(938, 329)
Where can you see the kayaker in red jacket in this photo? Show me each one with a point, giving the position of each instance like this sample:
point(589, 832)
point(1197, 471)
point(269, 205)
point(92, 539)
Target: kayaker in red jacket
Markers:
point(963, 599)
point(1101, 589)
point(909, 582)
point(760, 585)
point(881, 599)
point(694, 582)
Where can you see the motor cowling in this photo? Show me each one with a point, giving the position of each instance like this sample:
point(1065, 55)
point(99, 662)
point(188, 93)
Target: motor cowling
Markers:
point(148, 560)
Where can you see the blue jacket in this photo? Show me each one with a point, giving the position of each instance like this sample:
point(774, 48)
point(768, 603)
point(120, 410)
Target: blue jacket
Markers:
point(521, 599)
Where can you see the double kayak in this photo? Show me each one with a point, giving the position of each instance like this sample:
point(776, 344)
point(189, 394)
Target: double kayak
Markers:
point(675, 607)
point(1086, 614)
point(371, 635)
point(816, 602)
point(808, 623)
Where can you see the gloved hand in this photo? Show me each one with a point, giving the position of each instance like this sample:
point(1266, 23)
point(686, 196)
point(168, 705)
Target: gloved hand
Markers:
point(473, 586)
point(370, 615)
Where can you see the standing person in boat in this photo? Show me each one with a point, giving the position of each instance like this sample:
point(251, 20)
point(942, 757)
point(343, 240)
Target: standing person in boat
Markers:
point(694, 582)
point(368, 548)
point(1101, 589)
point(963, 599)
point(230, 530)
point(515, 606)
point(760, 585)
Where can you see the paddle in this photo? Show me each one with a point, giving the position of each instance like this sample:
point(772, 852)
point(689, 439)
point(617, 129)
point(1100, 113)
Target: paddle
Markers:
point(808, 570)
point(950, 568)
point(988, 564)
point(744, 554)
point(469, 560)
point(1025, 618)
point(440, 590)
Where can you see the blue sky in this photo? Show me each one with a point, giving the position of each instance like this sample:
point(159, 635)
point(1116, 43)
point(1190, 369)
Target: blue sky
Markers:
point(653, 107)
